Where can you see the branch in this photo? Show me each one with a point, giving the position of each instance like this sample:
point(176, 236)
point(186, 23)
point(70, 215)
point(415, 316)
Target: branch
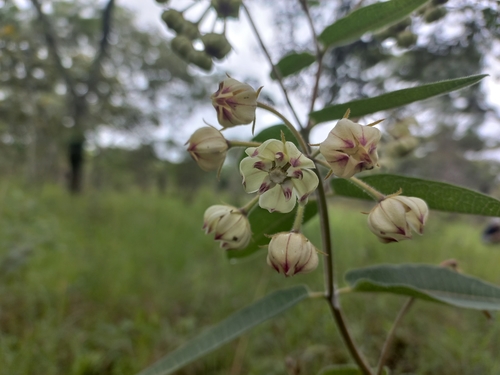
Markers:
point(103, 46)
point(53, 47)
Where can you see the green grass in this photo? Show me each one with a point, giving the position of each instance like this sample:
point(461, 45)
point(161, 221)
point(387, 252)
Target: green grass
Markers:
point(107, 283)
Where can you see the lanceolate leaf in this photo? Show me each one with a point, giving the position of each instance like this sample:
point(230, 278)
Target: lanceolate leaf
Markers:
point(427, 282)
point(264, 224)
point(393, 99)
point(227, 330)
point(293, 63)
point(438, 195)
point(370, 18)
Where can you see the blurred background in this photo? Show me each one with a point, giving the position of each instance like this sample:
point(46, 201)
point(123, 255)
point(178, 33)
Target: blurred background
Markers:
point(103, 263)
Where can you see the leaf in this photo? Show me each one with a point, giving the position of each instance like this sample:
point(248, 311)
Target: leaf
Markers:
point(438, 195)
point(370, 18)
point(264, 223)
point(293, 63)
point(393, 99)
point(430, 283)
point(227, 330)
point(344, 370)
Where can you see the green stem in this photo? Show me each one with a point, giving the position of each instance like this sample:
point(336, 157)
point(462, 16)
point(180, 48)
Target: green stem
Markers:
point(247, 207)
point(243, 144)
point(390, 336)
point(331, 295)
point(276, 72)
point(295, 132)
point(319, 60)
point(375, 194)
point(299, 216)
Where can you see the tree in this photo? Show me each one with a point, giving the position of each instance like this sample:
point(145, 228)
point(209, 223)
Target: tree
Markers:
point(71, 69)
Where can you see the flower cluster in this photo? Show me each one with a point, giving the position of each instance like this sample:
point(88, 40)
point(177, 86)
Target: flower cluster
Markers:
point(283, 175)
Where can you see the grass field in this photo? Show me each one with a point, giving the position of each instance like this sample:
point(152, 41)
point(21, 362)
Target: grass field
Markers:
point(107, 283)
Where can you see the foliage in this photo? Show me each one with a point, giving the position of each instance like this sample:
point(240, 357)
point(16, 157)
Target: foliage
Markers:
point(138, 72)
point(283, 179)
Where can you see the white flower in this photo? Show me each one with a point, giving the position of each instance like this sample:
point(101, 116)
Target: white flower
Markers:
point(208, 148)
point(235, 103)
point(280, 173)
point(394, 218)
point(350, 148)
point(230, 225)
point(290, 253)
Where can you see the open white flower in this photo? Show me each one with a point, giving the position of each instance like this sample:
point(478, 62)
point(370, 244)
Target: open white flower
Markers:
point(280, 173)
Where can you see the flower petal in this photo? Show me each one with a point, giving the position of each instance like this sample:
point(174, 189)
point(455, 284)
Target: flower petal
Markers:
point(252, 177)
point(275, 200)
point(305, 186)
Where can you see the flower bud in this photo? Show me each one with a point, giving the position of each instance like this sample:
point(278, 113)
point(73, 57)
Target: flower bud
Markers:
point(393, 219)
point(235, 103)
point(208, 148)
point(351, 148)
point(182, 46)
point(173, 19)
point(200, 59)
point(227, 8)
point(190, 30)
point(290, 253)
point(216, 45)
point(230, 225)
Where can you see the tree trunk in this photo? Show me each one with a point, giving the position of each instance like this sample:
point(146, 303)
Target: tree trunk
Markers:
point(76, 159)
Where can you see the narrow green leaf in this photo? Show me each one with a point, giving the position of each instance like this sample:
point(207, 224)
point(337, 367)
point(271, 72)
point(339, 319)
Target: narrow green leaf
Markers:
point(393, 99)
point(264, 223)
point(227, 330)
point(370, 18)
point(430, 283)
point(438, 195)
point(344, 370)
point(293, 63)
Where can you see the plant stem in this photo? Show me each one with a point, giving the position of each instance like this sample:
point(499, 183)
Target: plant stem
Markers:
point(375, 194)
point(243, 144)
point(319, 60)
point(298, 136)
point(276, 72)
point(247, 207)
point(390, 336)
point(331, 296)
point(299, 216)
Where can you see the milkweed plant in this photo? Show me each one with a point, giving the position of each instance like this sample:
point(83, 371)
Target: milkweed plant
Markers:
point(284, 174)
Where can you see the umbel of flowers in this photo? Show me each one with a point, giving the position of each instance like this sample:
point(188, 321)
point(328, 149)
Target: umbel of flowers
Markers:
point(282, 176)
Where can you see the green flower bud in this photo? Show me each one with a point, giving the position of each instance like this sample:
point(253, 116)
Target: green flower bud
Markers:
point(434, 14)
point(190, 30)
point(173, 19)
point(227, 8)
point(216, 45)
point(406, 39)
point(200, 59)
point(182, 46)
